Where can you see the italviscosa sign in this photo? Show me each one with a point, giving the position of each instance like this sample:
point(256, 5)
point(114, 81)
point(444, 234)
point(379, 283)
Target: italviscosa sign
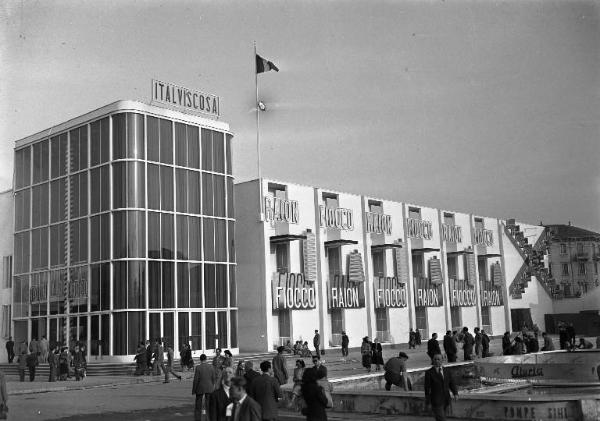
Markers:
point(187, 99)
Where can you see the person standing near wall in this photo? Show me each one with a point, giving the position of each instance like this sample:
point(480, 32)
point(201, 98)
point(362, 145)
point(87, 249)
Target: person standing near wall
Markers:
point(43, 345)
point(412, 339)
point(548, 344)
point(477, 342)
point(32, 362)
point(345, 343)
point(506, 344)
point(53, 365)
point(204, 384)
point(10, 349)
point(279, 368)
point(433, 346)
point(22, 360)
point(485, 344)
point(468, 342)
point(450, 347)
point(317, 343)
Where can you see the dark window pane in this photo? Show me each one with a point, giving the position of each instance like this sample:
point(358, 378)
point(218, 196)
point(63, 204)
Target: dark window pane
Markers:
point(193, 144)
point(219, 192)
point(135, 136)
point(83, 193)
point(39, 249)
point(94, 234)
point(153, 139)
point(228, 162)
point(135, 185)
point(207, 194)
point(206, 149)
point(218, 152)
point(230, 208)
point(196, 331)
point(57, 244)
point(195, 285)
point(105, 333)
point(78, 233)
point(119, 235)
point(120, 284)
point(166, 229)
point(136, 325)
point(182, 237)
point(119, 136)
point(41, 162)
point(166, 141)
point(78, 195)
point(95, 143)
point(211, 332)
point(58, 202)
point(105, 236)
point(22, 252)
point(136, 230)
point(183, 322)
point(120, 333)
point(154, 186)
point(231, 240)
point(180, 145)
point(154, 322)
point(95, 190)
point(222, 322)
point(168, 329)
point(183, 286)
point(210, 286)
point(168, 285)
point(193, 192)
point(233, 322)
point(23, 167)
point(209, 239)
point(166, 188)
point(119, 185)
point(195, 238)
point(153, 235)
point(22, 209)
point(182, 189)
point(136, 284)
point(220, 240)
point(83, 147)
point(221, 285)
point(58, 155)
point(74, 150)
point(95, 288)
point(154, 289)
point(39, 199)
point(232, 287)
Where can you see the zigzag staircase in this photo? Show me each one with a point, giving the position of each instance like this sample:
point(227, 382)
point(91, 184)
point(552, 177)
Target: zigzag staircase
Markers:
point(533, 261)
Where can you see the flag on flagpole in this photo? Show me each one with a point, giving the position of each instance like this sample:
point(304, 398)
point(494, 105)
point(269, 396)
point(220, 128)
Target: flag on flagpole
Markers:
point(263, 65)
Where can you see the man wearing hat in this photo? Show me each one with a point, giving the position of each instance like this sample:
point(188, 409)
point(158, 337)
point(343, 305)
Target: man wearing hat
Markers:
point(395, 372)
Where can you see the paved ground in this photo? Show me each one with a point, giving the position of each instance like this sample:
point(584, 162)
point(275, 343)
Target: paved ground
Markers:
point(147, 398)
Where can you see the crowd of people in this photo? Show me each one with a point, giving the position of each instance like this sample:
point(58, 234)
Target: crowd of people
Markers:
point(223, 393)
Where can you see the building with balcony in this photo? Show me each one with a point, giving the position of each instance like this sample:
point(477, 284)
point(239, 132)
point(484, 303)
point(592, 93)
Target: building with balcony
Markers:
point(311, 258)
point(123, 231)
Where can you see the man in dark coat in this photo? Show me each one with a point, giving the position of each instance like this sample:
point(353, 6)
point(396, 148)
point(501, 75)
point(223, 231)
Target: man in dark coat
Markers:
point(317, 343)
point(571, 335)
point(32, 362)
point(477, 342)
point(220, 398)
point(438, 384)
point(10, 349)
point(450, 347)
point(468, 342)
point(433, 347)
point(279, 368)
point(266, 391)
point(506, 344)
point(485, 344)
point(345, 343)
point(204, 384)
point(244, 407)
point(250, 374)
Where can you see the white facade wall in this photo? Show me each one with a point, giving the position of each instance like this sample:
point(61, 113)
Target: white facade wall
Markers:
point(257, 261)
point(6, 247)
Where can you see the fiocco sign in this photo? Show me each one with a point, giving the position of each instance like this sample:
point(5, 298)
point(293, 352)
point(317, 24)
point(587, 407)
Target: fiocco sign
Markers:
point(291, 291)
point(389, 293)
point(340, 218)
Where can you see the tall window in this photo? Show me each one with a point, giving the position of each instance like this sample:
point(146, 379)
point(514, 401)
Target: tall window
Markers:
point(421, 320)
point(563, 248)
point(381, 324)
point(336, 321)
point(285, 331)
point(485, 318)
point(334, 261)
point(378, 263)
point(452, 267)
point(282, 257)
point(7, 272)
point(565, 269)
point(582, 268)
point(455, 318)
point(579, 248)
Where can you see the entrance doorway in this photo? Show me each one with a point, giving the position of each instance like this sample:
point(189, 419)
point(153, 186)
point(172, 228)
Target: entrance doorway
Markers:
point(520, 317)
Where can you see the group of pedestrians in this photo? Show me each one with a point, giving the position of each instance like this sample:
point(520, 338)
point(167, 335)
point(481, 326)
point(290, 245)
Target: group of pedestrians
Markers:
point(248, 395)
point(371, 354)
point(474, 346)
point(150, 359)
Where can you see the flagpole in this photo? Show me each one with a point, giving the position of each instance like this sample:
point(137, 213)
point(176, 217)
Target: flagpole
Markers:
point(260, 186)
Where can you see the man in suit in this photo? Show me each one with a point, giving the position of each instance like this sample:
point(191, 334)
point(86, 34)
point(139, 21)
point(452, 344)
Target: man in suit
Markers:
point(250, 374)
point(279, 368)
point(438, 384)
point(433, 347)
point(205, 378)
point(221, 398)
point(317, 343)
point(265, 390)
point(244, 408)
point(450, 347)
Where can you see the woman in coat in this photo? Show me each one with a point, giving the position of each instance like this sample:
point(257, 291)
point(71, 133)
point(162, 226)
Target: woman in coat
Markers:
point(366, 351)
point(314, 396)
point(377, 358)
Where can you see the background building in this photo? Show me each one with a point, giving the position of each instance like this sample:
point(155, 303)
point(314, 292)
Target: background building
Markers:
point(333, 261)
point(124, 231)
point(6, 251)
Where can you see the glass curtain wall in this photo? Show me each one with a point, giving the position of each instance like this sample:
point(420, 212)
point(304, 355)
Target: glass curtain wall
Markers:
point(124, 232)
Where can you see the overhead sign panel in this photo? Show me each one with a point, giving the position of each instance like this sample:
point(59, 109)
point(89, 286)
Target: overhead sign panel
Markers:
point(185, 99)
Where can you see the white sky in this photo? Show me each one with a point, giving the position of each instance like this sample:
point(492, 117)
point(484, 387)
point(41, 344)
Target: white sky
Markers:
point(487, 107)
